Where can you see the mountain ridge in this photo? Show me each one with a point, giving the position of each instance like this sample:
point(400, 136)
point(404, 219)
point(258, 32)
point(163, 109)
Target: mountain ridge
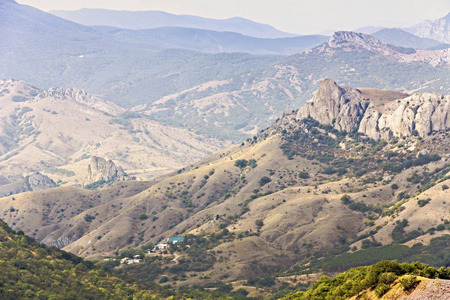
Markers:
point(297, 189)
point(438, 29)
point(401, 38)
point(154, 19)
point(56, 131)
point(228, 93)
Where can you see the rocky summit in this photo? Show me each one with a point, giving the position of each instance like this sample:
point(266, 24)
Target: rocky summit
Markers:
point(100, 169)
point(376, 113)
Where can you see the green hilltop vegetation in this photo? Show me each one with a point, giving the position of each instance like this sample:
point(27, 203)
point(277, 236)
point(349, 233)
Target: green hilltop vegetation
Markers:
point(29, 270)
point(380, 278)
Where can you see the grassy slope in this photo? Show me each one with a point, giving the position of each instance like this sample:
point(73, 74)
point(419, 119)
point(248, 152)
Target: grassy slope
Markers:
point(29, 270)
point(386, 279)
point(57, 137)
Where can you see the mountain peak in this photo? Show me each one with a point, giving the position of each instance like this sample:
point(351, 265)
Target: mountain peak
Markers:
point(349, 38)
point(379, 114)
point(349, 41)
point(438, 29)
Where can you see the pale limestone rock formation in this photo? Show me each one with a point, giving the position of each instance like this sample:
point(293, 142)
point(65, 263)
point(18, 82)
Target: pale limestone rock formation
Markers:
point(338, 106)
point(378, 114)
point(39, 182)
point(100, 169)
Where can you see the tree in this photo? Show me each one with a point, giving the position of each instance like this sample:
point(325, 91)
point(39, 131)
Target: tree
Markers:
point(303, 175)
point(143, 216)
point(346, 199)
point(259, 223)
point(241, 163)
point(264, 180)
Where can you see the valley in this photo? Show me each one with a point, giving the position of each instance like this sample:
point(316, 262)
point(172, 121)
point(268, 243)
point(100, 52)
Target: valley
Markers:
point(56, 132)
point(155, 155)
point(293, 197)
point(226, 95)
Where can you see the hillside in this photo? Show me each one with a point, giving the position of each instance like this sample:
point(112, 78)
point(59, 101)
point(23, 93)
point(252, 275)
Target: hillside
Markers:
point(433, 29)
point(56, 131)
point(226, 95)
point(354, 59)
point(154, 19)
point(400, 38)
point(384, 280)
point(315, 184)
point(32, 270)
point(218, 42)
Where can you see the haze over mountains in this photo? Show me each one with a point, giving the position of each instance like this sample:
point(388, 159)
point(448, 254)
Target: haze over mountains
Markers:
point(232, 94)
point(113, 140)
point(398, 37)
point(154, 19)
point(429, 34)
point(433, 29)
point(56, 131)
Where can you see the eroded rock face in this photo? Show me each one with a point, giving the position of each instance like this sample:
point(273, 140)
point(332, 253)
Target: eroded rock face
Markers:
point(39, 182)
point(338, 106)
point(348, 109)
point(100, 169)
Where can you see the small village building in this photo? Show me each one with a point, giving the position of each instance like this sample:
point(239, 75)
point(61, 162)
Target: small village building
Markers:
point(176, 239)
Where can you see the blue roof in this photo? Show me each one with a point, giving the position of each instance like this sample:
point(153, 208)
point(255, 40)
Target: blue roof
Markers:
point(176, 239)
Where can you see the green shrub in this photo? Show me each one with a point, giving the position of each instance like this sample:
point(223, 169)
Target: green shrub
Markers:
point(422, 202)
point(303, 175)
point(387, 278)
point(143, 216)
point(264, 180)
point(409, 282)
point(346, 199)
point(381, 289)
point(241, 163)
point(259, 223)
point(89, 218)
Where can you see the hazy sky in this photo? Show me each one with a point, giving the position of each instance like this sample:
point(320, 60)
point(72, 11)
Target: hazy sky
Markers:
point(296, 16)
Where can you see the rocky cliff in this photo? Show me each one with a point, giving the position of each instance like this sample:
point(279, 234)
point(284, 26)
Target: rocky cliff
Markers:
point(100, 169)
point(33, 182)
point(348, 41)
point(39, 182)
point(377, 113)
point(82, 97)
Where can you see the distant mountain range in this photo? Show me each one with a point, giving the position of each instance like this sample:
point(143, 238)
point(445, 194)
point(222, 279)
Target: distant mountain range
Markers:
point(433, 33)
point(215, 41)
point(24, 24)
point(398, 37)
point(154, 19)
point(433, 29)
point(227, 95)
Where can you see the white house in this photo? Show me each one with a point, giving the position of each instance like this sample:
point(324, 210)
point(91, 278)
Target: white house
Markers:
point(129, 261)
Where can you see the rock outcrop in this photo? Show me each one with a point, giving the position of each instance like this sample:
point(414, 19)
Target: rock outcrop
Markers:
point(39, 182)
point(338, 106)
point(348, 41)
point(378, 114)
point(100, 169)
point(82, 97)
